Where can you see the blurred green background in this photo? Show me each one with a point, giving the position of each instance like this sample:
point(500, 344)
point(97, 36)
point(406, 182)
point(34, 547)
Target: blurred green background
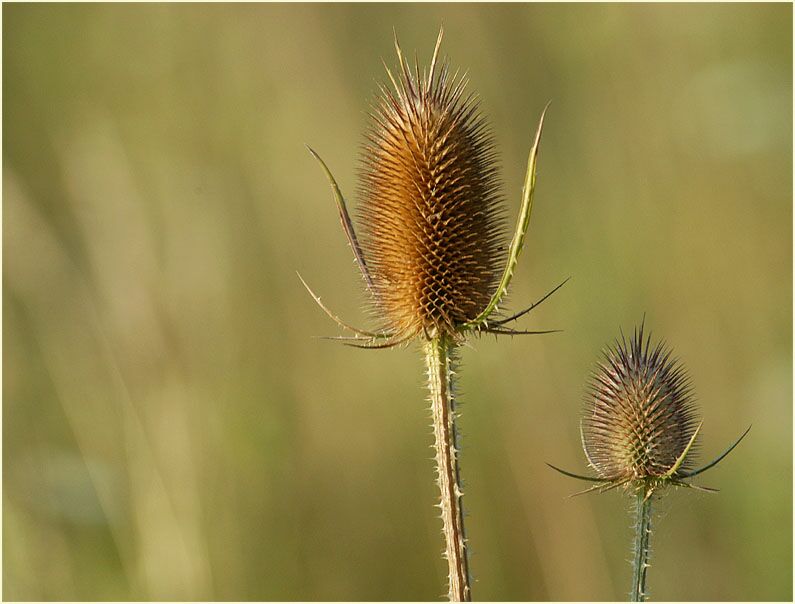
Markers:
point(172, 430)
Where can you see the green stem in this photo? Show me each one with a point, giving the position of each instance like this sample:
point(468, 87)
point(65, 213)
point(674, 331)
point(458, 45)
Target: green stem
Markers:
point(439, 356)
point(640, 562)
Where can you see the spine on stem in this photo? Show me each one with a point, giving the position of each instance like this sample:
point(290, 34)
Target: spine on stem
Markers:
point(440, 357)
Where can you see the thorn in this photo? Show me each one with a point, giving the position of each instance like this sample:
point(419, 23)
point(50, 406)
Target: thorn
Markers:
point(532, 306)
point(717, 460)
point(335, 318)
point(345, 219)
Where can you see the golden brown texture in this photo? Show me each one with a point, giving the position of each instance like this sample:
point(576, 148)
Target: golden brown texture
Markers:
point(430, 205)
point(640, 414)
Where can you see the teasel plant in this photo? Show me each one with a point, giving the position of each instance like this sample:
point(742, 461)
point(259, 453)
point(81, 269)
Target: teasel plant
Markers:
point(640, 431)
point(433, 254)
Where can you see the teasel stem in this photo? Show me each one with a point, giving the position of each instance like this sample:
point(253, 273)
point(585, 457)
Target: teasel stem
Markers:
point(440, 358)
point(640, 563)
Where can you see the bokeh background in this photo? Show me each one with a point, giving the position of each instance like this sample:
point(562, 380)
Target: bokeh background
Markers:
point(173, 430)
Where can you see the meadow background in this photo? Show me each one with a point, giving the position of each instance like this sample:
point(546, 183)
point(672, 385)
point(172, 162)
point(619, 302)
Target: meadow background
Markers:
point(173, 430)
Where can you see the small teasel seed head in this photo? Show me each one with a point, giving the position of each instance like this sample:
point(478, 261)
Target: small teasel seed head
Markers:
point(430, 207)
point(640, 431)
point(640, 415)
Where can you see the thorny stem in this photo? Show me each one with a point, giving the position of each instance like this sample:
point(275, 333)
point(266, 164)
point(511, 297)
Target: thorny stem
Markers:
point(439, 356)
point(640, 562)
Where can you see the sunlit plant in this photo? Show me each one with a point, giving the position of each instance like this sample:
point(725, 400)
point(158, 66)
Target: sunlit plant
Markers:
point(432, 254)
point(639, 431)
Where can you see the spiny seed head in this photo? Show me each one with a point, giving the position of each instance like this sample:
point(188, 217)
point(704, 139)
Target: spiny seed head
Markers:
point(430, 207)
point(640, 414)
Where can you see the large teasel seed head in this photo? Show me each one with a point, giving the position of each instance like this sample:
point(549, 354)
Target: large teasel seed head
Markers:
point(433, 253)
point(430, 208)
point(640, 416)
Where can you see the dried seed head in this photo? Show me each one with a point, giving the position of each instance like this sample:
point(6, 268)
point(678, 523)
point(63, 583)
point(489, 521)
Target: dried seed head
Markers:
point(640, 414)
point(429, 204)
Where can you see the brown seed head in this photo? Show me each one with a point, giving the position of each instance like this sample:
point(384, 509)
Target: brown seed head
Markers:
point(640, 413)
point(430, 204)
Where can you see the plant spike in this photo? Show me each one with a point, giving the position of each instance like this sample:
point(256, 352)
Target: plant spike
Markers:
point(345, 219)
point(531, 307)
point(336, 319)
point(516, 332)
point(681, 459)
point(717, 460)
point(523, 221)
point(577, 476)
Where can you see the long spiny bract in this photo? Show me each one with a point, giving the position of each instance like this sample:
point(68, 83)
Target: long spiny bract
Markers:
point(430, 211)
